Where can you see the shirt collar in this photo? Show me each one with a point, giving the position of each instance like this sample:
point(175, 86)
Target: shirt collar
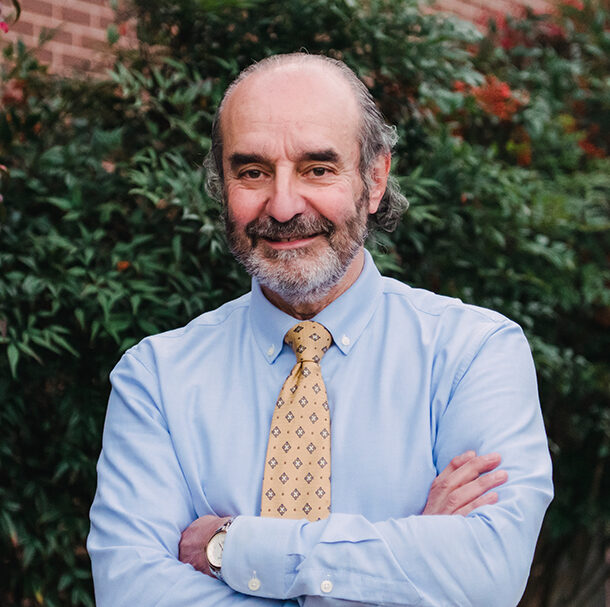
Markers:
point(345, 317)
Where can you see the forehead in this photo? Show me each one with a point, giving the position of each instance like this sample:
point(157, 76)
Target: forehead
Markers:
point(295, 106)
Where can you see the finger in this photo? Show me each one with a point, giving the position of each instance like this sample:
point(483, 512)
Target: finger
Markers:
point(472, 469)
point(484, 500)
point(457, 462)
point(475, 490)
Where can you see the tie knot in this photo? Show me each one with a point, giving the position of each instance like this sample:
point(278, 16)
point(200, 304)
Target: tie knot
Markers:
point(310, 340)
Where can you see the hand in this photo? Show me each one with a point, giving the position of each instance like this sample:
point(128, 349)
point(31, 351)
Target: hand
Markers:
point(194, 541)
point(463, 485)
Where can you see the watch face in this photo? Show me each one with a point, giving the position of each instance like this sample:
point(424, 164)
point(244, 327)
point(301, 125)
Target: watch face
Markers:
point(214, 549)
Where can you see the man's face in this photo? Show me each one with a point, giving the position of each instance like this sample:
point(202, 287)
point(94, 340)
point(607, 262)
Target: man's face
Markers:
point(296, 206)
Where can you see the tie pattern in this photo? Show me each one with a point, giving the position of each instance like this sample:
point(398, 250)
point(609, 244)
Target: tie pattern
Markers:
point(296, 483)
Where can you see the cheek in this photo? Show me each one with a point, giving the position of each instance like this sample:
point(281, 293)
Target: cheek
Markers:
point(338, 203)
point(243, 205)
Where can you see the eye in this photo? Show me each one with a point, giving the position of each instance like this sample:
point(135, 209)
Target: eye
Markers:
point(251, 174)
point(319, 171)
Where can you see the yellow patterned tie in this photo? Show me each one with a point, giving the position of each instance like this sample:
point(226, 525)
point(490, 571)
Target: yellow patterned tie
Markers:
point(297, 468)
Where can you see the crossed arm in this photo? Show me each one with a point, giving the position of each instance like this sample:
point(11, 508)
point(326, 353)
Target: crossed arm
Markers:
point(143, 506)
point(464, 485)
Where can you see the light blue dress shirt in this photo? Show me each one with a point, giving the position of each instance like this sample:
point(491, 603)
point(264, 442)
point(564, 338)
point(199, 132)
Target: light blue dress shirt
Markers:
point(413, 380)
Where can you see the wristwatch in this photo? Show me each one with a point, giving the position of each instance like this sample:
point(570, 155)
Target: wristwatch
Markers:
point(213, 550)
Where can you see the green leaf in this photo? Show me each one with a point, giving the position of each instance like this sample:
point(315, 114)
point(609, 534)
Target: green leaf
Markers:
point(12, 352)
point(112, 34)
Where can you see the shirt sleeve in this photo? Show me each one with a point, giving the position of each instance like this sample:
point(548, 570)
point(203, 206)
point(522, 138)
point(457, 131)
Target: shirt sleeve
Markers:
point(141, 506)
point(479, 560)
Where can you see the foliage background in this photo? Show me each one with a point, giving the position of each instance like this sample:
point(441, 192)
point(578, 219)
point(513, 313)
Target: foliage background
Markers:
point(106, 235)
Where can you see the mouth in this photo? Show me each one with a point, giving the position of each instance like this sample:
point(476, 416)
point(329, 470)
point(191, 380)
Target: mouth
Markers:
point(290, 242)
point(298, 232)
point(293, 238)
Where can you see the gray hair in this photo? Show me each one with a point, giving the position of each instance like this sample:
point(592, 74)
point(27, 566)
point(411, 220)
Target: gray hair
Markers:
point(376, 138)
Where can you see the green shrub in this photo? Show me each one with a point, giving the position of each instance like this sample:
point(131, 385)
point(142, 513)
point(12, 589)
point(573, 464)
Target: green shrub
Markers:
point(106, 234)
point(103, 240)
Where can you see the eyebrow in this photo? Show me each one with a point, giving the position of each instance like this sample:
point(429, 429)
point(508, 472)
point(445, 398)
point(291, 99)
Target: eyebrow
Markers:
point(239, 159)
point(328, 155)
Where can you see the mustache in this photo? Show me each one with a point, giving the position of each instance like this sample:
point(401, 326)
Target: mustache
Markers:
point(298, 226)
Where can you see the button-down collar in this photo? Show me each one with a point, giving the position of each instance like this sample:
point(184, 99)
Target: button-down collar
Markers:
point(345, 317)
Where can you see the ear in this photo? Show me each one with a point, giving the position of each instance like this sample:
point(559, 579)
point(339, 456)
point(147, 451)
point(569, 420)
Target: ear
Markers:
point(379, 173)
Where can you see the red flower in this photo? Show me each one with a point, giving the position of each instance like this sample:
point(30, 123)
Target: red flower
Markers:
point(577, 4)
point(459, 86)
point(552, 30)
point(4, 26)
point(495, 97)
point(590, 149)
point(510, 39)
point(13, 93)
point(122, 265)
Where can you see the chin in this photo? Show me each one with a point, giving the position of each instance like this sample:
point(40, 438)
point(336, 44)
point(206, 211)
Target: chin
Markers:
point(296, 277)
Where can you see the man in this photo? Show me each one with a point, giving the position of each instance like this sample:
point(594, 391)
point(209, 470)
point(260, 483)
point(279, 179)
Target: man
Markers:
point(191, 508)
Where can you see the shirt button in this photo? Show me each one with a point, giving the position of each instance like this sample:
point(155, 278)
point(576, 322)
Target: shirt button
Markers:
point(271, 350)
point(326, 586)
point(345, 340)
point(254, 584)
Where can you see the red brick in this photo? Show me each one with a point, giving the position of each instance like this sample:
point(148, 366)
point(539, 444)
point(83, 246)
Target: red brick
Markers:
point(95, 33)
point(102, 18)
point(461, 9)
point(44, 55)
point(94, 44)
point(39, 7)
point(62, 36)
point(23, 27)
point(74, 16)
point(59, 49)
point(106, 21)
point(471, 9)
point(93, 9)
point(37, 18)
point(80, 63)
point(82, 7)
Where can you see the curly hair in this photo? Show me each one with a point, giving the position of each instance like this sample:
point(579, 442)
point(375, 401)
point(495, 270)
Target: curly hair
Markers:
point(375, 138)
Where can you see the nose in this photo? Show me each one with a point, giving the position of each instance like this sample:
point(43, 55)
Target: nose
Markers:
point(285, 202)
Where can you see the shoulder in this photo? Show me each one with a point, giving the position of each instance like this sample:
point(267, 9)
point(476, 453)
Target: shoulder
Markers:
point(446, 322)
point(205, 333)
point(431, 305)
point(455, 334)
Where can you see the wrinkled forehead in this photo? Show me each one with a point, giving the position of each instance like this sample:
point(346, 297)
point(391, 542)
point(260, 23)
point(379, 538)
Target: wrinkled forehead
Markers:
point(299, 92)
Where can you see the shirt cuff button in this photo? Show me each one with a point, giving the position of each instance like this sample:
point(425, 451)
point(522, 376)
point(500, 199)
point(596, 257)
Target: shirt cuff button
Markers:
point(254, 584)
point(326, 586)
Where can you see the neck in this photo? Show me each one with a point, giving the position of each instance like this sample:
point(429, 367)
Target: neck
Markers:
point(309, 309)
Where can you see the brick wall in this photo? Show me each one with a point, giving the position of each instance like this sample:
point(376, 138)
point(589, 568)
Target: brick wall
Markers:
point(80, 40)
point(477, 11)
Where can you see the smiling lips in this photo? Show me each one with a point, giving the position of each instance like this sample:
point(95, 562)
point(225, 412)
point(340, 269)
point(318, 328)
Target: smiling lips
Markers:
point(298, 231)
point(293, 238)
point(291, 241)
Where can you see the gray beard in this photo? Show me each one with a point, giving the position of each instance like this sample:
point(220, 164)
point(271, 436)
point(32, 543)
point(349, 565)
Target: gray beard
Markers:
point(299, 276)
point(299, 281)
